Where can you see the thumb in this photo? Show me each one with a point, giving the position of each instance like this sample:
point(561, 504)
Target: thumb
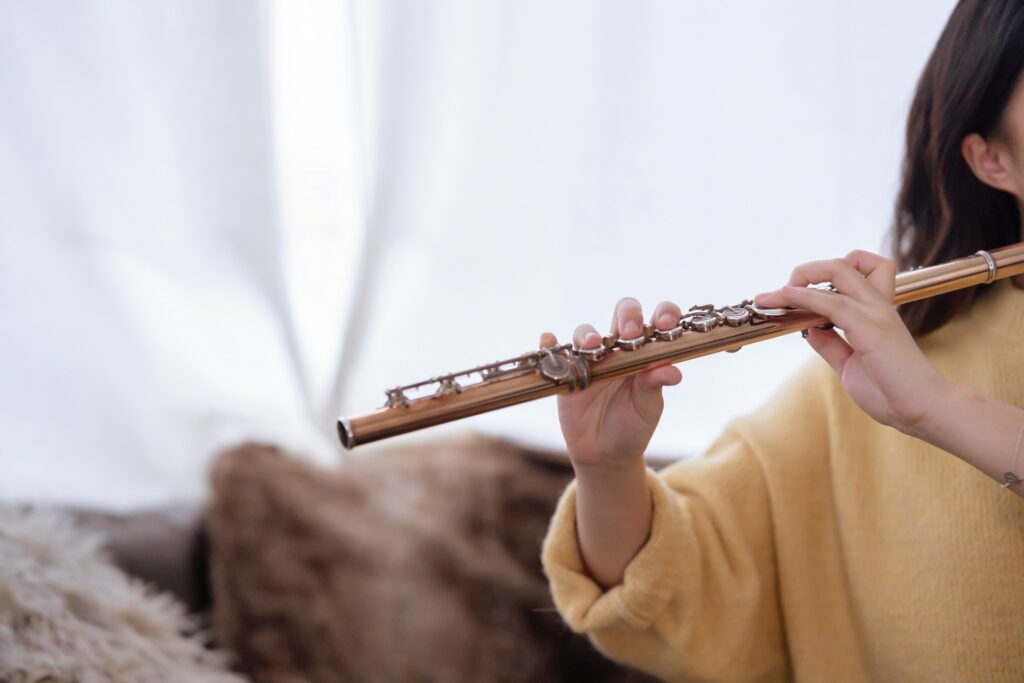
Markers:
point(647, 395)
point(831, 347)
point(653, 379)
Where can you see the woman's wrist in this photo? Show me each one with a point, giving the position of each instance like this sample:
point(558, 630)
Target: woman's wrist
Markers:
point(948, 402)
point(609, 474)
point(980, 430)
point(927, 425)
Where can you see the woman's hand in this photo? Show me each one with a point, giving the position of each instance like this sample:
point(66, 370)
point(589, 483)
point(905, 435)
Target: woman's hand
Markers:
point(611, 423)
point(879, 362)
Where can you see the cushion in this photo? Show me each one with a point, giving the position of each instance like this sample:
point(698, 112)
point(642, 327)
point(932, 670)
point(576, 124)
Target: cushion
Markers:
point(415, 564)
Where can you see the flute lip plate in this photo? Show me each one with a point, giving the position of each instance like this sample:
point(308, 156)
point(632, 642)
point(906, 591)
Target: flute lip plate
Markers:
point(348, 439)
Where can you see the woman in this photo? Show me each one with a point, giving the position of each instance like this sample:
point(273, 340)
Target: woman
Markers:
point(854, 528)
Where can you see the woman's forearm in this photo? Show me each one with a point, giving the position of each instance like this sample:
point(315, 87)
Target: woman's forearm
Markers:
point(613, 517)
point(977, 429)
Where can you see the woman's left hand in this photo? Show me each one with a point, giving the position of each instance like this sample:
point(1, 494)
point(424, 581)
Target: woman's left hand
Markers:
point(879, 362)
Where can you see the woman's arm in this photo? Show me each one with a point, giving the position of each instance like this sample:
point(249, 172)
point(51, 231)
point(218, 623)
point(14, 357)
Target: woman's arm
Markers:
point(699, 600)
point(673, 572)
point(978, 429)
point(607, 429)
point(613, 517)
point(885, 372)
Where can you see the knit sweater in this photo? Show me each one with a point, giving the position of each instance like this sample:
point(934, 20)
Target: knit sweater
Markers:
point(814, 544)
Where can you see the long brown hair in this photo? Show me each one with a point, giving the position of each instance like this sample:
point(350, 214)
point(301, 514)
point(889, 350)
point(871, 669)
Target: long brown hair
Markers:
point(943, 210)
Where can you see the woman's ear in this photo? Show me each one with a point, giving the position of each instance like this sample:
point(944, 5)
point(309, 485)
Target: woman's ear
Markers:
point(990, 161)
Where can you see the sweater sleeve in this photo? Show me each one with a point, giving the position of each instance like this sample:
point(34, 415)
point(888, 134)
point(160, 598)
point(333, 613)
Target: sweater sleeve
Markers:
point(699, 601)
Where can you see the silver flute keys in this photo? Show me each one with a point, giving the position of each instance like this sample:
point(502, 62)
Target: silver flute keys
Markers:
point(565, 365)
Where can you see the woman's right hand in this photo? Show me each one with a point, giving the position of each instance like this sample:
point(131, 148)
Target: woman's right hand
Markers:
point(610, 423)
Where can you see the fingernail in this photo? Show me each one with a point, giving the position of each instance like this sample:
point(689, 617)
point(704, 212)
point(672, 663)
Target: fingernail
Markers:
point(631, 330)
point(666, 321)
point(590, 338)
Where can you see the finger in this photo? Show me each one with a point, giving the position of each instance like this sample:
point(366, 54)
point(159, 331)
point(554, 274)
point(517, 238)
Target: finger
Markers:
point(628, 319)
point(772, 299)
point(656, 378)
point(548, 340)
point(586, 337)
point(831, 347)
point(839, 272)
point(864, 262)
point(838, 308)
point(666, 315)
point(879, 271)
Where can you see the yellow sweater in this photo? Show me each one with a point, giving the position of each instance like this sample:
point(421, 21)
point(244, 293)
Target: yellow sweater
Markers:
point(813, 544)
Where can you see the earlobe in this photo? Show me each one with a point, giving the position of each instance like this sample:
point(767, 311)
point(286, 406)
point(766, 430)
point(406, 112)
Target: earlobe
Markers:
point(986, 161)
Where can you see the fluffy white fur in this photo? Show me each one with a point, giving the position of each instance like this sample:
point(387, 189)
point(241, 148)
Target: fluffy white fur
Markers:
point(67, 614)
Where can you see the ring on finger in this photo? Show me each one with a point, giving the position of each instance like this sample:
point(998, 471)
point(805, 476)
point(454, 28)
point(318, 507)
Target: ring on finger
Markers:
point(824, 287)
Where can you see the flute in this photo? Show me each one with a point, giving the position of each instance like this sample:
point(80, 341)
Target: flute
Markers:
point(700, 331)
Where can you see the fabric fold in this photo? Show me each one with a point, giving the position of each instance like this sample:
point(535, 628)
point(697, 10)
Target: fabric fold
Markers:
point(646, 587)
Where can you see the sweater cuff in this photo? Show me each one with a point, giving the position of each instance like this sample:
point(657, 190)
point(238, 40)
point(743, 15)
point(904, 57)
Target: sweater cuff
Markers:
point(648, 581)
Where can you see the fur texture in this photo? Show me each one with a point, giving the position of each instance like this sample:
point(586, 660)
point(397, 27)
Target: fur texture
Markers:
point(68, 615)
point(417, 565)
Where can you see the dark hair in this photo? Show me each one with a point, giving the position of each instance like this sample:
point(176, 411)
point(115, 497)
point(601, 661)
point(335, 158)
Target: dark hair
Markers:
point(943, 211)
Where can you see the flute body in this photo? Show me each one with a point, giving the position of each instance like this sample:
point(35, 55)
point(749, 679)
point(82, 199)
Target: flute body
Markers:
point(701, 331)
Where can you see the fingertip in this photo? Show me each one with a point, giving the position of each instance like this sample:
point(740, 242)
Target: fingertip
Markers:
point(817, 336)
point(666, 315)
point(585, 337)
point(547, 340)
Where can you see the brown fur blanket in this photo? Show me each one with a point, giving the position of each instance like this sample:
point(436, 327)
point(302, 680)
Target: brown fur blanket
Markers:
point(420, 564)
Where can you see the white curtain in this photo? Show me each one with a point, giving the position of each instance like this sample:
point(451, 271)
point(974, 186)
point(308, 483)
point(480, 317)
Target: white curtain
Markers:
point(232, 219)
point(157, 278)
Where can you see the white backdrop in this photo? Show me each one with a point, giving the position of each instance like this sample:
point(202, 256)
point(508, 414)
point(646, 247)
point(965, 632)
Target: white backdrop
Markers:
point(148, 276)
point(230, 219)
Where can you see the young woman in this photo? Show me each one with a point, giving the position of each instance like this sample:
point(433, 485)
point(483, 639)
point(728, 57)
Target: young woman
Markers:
point(855, 528)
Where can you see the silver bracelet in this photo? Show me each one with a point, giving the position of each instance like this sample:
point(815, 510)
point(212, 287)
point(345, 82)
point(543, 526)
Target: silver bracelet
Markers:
point(1010, 478)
